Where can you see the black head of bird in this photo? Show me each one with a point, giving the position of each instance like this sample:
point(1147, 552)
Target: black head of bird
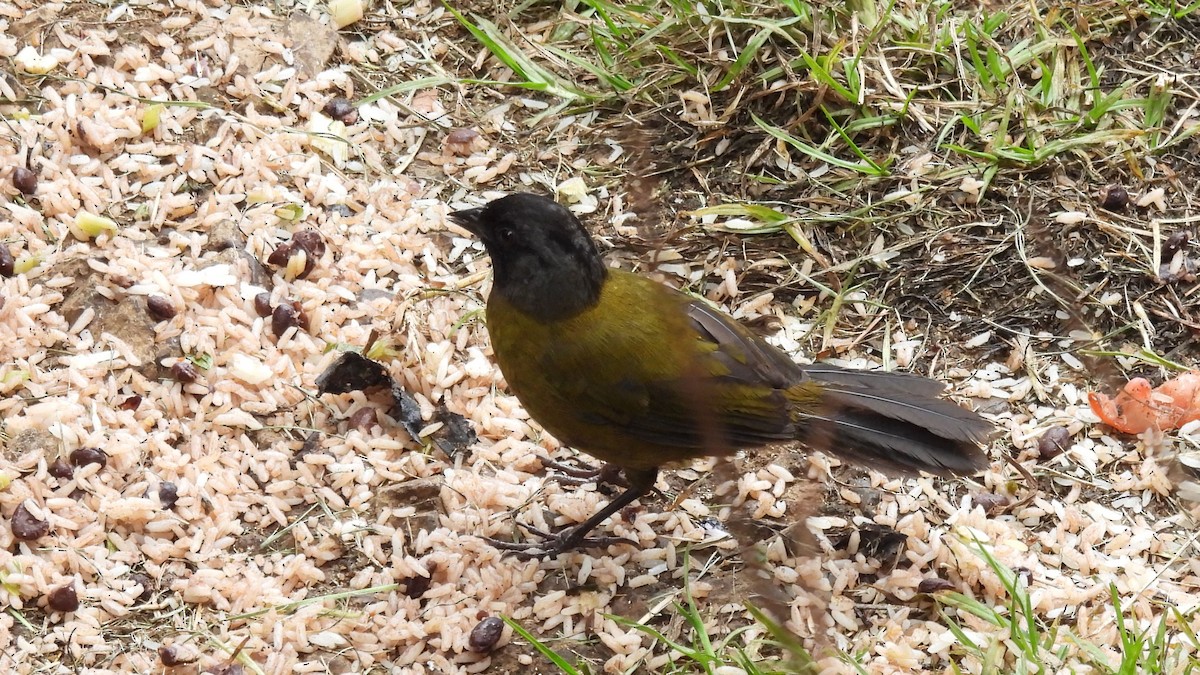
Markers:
point(543, 261)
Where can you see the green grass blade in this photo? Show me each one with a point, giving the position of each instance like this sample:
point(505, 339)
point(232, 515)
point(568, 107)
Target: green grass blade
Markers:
point(494, 40)
point(869, 168)
point(822, 75)
point(614, 80)
point(687, 651)
point(801, 661)
point(403, 87)
point(745, 57)
point(848, 140)
point(759, 212)
point(545, 651)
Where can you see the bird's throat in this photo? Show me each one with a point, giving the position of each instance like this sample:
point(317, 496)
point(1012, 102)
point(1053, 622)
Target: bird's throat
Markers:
point(551, 292)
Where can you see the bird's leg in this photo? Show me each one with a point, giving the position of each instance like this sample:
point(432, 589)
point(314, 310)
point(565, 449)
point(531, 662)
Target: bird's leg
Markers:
point(640, 482)
point(581, 474)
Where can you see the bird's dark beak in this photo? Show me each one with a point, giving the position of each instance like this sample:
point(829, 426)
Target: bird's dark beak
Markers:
point(469, 219)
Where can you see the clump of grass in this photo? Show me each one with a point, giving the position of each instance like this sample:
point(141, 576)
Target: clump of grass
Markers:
point(994, 88)
point(1024, 642)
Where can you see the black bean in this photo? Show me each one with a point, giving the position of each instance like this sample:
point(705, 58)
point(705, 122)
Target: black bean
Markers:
point(262, 304)
point(301, 315)
point(415, 587)
point(340, 109)
point(61, 469)
point(143, 580)
point(1114, 197)
point(933, 585)
point(24, 180)
point(168, 494)
point(85, 456)
point(283, 318)
point(310, 240)
point(185, 371)
point(462, 142)
point(364, 419)
point(1173, 244)
point(486, 634)
point(121, 280)
point(461, 136)
point(27, 526)
point(990, 501)
point(1053, 442)
point(7, 262)
point(169, 656)
point(310, 263)
point(64, 598)
point(280, 255)
point(1024, 573)
point(160, 308)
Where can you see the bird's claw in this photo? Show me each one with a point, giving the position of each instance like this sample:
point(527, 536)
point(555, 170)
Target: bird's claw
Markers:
point(581, 471)
point(576, 474)
point(552, 544)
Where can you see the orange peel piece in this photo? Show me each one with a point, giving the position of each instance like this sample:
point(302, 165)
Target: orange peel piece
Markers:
point(1138, 407)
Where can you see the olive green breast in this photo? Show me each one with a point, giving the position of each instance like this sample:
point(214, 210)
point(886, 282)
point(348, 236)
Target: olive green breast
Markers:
point(584, 379)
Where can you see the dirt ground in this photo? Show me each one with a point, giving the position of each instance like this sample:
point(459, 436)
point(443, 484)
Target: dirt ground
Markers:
point(1023, 284)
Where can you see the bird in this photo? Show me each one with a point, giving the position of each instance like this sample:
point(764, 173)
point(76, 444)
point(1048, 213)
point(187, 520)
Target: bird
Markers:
point(643, 376)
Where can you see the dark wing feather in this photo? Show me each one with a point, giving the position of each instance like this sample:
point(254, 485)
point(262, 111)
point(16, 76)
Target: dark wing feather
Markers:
point(749, 359)
point(732, 394)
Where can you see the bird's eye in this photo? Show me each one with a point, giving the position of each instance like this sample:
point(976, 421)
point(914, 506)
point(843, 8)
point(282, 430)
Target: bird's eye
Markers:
point(506, 233)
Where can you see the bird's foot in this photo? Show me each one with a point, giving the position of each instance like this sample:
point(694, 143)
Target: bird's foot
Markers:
point(582, 474)
point(553, 544)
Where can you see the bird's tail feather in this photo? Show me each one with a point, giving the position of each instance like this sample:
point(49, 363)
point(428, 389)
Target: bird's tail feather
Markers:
point(894, 422)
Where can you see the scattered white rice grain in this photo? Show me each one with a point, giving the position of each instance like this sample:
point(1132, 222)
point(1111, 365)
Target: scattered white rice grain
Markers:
point(642, 580)
point(1155, 197)
point(695, 508)
point(214, 275)
point(129, 509)
point(1072, 361)
point(249, 369)
point(971, 185)
point(780, 472)
point(34, 63)
point(237, 418)
point(978, 340)
point(93, 359)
